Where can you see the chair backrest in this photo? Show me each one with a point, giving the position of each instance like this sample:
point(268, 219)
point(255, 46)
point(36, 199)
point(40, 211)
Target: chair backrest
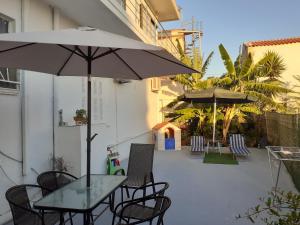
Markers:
point(197, 142)
point(140, 164)
point(236, 140)
point(157, 188)
point(52, 180)
point(19, 203)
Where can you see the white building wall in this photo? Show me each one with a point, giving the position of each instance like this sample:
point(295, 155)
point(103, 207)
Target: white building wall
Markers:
point(37, 145)
point(129, 111)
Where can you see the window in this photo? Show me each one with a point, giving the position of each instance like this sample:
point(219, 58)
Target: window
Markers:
point(9, 78)
point(147, 23)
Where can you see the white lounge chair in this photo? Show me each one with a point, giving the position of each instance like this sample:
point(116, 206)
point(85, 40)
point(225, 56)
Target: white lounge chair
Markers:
point(237, 145)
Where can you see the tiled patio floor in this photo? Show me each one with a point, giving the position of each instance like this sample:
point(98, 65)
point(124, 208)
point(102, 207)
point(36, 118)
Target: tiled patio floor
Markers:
point(210, 194)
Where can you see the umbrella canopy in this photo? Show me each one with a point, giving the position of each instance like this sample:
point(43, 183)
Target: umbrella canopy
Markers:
point(87, 52)
point(66, 53)
point(216, 95)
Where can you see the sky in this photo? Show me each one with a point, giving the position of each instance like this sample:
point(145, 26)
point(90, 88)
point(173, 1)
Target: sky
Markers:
point(233, 22)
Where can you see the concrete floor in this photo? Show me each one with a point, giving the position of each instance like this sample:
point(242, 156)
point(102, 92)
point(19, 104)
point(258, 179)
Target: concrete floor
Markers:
point(210, 194)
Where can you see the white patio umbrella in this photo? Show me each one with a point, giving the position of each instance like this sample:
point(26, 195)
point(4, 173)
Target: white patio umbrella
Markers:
point(87, 52)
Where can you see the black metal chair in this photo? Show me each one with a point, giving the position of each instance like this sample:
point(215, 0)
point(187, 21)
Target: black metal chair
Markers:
point(138, 211)
point(140, 166)
point(152, 207)
point(53, 180)
point(21, 209)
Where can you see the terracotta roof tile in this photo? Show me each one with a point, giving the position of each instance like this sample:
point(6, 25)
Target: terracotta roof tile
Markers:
point(273, 42)
point(160, 125)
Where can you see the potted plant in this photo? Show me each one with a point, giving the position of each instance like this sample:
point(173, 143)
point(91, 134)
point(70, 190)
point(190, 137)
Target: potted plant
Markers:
point(80, 117)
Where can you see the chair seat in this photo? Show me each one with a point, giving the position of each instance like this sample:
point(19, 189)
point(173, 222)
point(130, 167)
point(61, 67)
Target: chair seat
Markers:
point(240, 150)
point(137, 212)
point(132, 182)
point(49, 218)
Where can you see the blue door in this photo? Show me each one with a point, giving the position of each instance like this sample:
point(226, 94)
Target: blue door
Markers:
point(170, 144)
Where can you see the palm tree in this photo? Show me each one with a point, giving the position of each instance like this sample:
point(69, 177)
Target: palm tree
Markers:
point(257, 79)
point(194, 81)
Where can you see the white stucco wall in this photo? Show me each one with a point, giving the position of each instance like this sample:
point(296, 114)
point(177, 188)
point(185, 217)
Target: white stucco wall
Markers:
point(129, 111)
point(37, 116)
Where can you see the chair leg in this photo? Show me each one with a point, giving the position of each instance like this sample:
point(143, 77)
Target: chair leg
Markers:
point(152, 180)
point(71, 219)
point(127, 192)
point(122, 195)
point(92, 219)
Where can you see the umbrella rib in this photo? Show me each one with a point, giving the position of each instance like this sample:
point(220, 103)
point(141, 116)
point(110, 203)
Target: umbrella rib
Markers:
point(95, 52)
point(106, 53)
point(70, 50)
point(14, 48)
point(126, 64)
point(65, 63)
point(78, 49)
point(180, 64)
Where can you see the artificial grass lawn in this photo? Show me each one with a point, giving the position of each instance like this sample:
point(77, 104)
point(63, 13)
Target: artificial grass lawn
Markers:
point(217, 158)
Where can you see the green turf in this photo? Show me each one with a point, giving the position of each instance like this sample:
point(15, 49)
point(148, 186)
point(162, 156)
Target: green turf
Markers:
point(217, 158)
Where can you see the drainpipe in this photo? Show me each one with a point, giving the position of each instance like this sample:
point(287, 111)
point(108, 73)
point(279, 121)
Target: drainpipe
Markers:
point(24, 15)
point(55, 26)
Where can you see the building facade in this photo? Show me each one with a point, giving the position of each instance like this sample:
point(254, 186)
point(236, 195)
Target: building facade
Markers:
point(34, 104)
point(289, 50)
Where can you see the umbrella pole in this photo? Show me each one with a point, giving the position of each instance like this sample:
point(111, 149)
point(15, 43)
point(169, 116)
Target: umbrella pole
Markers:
point(214, 122)
point(89, 119)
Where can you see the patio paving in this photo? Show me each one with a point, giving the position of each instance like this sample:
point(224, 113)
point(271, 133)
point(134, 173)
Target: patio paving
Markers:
point(210, 194)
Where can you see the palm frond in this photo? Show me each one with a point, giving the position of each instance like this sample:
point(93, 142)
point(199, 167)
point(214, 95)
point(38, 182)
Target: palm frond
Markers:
point(262, 98)
point(206, 63)
point(246, 66)
point(266, 88)
point(227, 61)
point(273, 65)
point(250, 109)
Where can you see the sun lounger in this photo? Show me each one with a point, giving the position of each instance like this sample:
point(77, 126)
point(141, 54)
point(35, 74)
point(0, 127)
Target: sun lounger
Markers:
point(237, 145)
point(197, 144)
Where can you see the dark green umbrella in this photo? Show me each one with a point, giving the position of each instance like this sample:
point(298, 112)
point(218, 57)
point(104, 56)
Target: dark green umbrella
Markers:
point(216, 95)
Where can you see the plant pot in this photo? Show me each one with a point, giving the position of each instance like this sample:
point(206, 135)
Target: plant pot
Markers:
point(80, 120)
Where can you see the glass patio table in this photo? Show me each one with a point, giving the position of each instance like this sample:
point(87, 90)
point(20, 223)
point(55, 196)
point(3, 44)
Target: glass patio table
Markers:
point(76, 197)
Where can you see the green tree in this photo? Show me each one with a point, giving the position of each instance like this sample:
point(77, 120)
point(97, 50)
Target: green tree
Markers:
point(256, 79)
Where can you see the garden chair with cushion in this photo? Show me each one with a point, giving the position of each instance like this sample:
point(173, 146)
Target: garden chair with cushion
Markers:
point(237, 145)
point(22, 212)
